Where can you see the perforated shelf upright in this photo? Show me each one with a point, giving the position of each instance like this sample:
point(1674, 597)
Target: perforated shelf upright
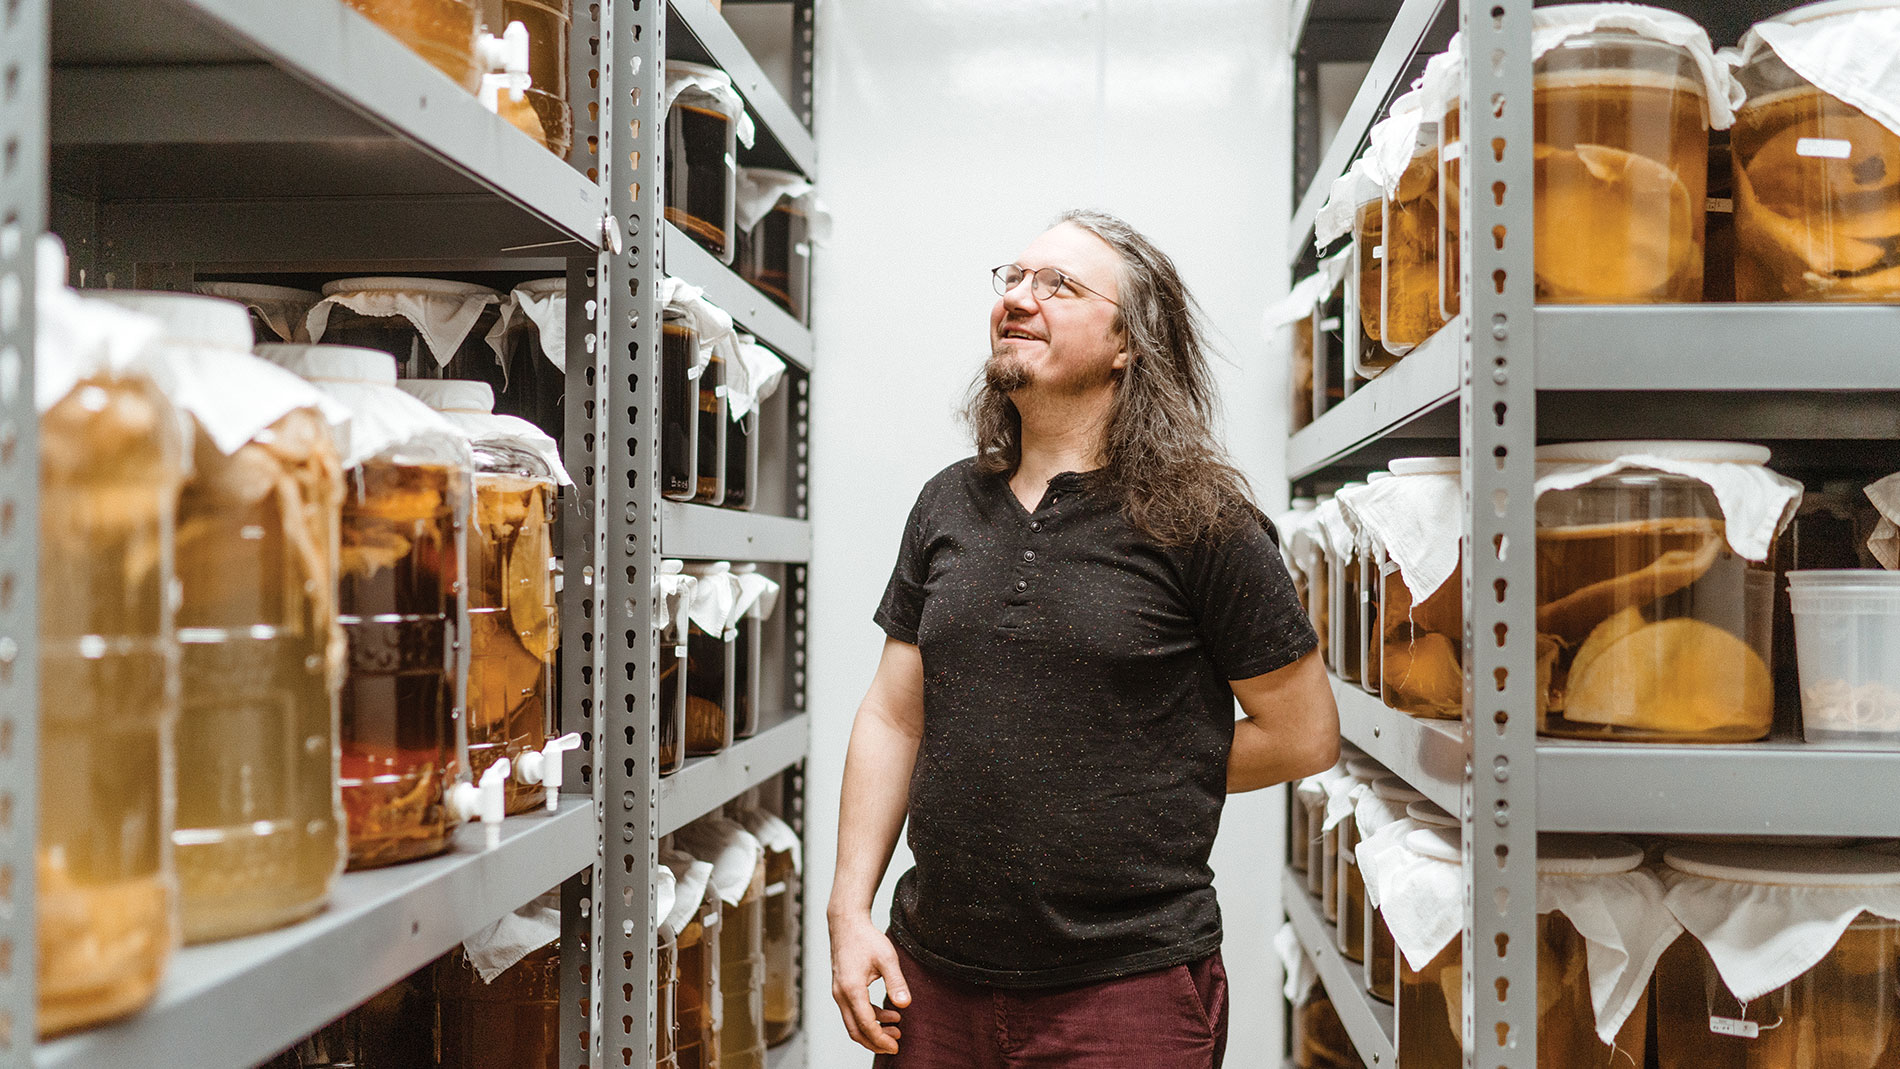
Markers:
point(1493, 383)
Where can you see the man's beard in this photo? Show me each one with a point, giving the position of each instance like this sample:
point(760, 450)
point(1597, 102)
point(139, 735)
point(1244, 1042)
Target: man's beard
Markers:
point(1005, 372)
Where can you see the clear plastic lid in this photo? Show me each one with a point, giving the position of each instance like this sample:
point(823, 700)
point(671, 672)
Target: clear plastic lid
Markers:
point(1431, 814)
point(1790, 866)
point(1586, 855)
point(1397, 791)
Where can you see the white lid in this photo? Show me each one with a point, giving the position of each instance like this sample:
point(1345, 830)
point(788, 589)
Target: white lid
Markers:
point(1697, 452)
point(771, 174)
point(1366, 770)
point(544, 287)
point(1586, 855)
point(401, 284)
point(1375, 476)
point(1785, 865)
point(333, 363)
point(255, 291)
point(1394, 789)
point(1430, 812)
point(188, 318)
point(1424, 466)
point(1855, 579)
point(451, 395)
point(1439, 844)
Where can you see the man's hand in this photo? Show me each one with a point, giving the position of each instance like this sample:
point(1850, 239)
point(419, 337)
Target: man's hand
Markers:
point(860, 954)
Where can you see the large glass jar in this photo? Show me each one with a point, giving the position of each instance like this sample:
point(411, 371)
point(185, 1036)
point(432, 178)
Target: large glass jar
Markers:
point(1371, 554)
point(434, 327)
point(1421, 666)
point(1392, 795)
point(775, 255)
point(782, 929)
point(259, 830)
point(1343, 587)
point(1408, 295)
point(1443, 87)
point(537, 378)
point(748, 658)
point(714, 427)
point(1314, 845)
point(1817, 179)
point(548, 23)
point(277, 312)
point(701, 173)
point(1842, 1013)
point(511, 1022)
point(1319, 1039)
point(1566, 1017)
point(742, 977)
point(700, 1009)
point(1368, 250)
point(440, 31)
point(1300, 826)
point(710, 657)
point(1314, 563)
point(679, 406)
point(1621, 123)
point(111, 462)
point(1429, 1011)
point(676, 589)
point(1349, 890)
point(1652, 628)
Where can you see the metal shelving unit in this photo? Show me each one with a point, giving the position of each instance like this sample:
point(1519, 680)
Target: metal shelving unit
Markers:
point(186, 137)
point(1494, 383)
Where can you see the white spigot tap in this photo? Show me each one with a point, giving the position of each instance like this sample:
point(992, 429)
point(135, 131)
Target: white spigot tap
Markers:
point(544, 766)
point(487, 802)
point(505, 62)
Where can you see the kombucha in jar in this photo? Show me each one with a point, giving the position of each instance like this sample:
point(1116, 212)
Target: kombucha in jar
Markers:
point(782, 929)
point(1368, 248)
point(1621, 124)
point(1651, 628)
point(701, 146)
point(1314, 564)
point(1450, 253)
point(699, 1007)
point(1422, 670)
point(742, 977)
point(1315, 844)
point(1371, 650)
point(1343, 614)
point(676, 592)
point(1381, 959)
point(1319, 1038)
point(1566, 1017)
point(709, 481)
point(666, 980)
point(1300, 824)
point(710, 657)
point(440, 31)
point(537, 380)
point(511, 1022)
point(435, 328)
point(111, 463)
point(1348, 895)
point(775, 255)
point(1408, 308)
point(1430, 1009)
point(679, 406)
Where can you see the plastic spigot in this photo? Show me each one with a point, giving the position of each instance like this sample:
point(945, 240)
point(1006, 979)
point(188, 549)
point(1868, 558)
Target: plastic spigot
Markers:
point(487, 802)
point(544, 766)
point(505, 63)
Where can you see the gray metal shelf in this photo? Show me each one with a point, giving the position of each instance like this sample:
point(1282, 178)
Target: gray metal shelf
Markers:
point(702, 532)
point(775, 118)
point(704, 784)
point(1368, 1021)
point(752, 310)
point(241, 1001)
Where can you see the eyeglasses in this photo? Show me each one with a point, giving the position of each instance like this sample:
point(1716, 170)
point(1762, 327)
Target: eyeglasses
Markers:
point(1043, 283)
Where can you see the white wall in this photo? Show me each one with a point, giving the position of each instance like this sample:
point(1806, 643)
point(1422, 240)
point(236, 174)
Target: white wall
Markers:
point(949, 133)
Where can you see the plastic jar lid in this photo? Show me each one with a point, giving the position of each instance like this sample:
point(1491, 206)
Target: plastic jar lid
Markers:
point(255, 291)
point(333, 363)
point(1424, 466)
point(188, 318)
point(1439, 844)
point(1365, 768)
point(401, 284)
point(1844, 591)
point(1394, 789)
point(545, 287)
point(1697, 452)
point(451, 395)
point(1586, 855)
point(1844, 580)
point(1431, 814)
point(1785, 865)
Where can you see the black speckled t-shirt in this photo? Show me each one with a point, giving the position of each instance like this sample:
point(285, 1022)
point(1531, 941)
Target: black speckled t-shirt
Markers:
point(1077, 721)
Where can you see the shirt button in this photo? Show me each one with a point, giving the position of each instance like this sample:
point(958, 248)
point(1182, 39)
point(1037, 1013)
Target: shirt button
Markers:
point(1029, 555)
point(1035, 525)
point(1022, 584)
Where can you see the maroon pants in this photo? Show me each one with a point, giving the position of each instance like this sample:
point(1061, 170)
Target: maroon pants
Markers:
point(1173, 1018)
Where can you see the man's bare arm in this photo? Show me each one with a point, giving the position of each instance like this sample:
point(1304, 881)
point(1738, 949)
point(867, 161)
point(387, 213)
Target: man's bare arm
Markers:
point(1291, 726)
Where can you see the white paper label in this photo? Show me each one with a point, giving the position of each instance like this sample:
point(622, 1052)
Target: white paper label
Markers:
point(1728, 1026)
point(710, 919)
point(775, 889)
point(1329, 323)
point(1826, 148)
point(1378, 252)
point(1720, 204)
point(1454, 152)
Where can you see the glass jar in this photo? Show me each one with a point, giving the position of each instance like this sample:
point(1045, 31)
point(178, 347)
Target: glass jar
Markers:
point(1300, 375)
point(1319, 1038)
point(1343, 587)
point(742, 977)
point(701, 180)
point(666, 980)
point(679, 406)
point(1843, 1012)
point(511, 1022)
point(1817, 180)
point(445, 339)
point(709, 484)
point(782, 928)
point(710, 663)
point(440, 31)
point(775, 255)
point(699, 1004)
point(1300, 825)
point(1443, 108)
point(1651, 628)
point(276, 312)
point(1408, 293)
point(393, 1029)
point(1429, 1011)
point(1395, 796)
point(111, 462)
point(1314, 803)
point(548, 22)
point(537, 379)
point(674, 653)
point(1368, 252)
point(1621, 124)
point(1349, 890)
point(258, 833)
point(748, 660)
point(1316, 565)
point(1370, 651)
point(1421, 667)
point(741, 449)
point(1566, 1016)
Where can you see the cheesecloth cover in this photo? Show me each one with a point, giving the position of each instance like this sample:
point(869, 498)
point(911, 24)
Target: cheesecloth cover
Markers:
point(1299, 971)
point(735, 852)
point(1552, 26)
point(470, 406)
point(1417, 516)
point(1884, 542)
point(690, 878)
point(1846, 50)
point(715, 598)
point(383, 419)
point(674, 586)
point(776, 835)
point(496, 948)
point(712, 88)
point(443, 312)
point(709, 321)
point(1756, 503)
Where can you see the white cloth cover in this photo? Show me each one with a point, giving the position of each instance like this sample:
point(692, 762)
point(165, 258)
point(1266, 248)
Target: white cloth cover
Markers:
point(1360, 183)
point(708, 320)
point(690, 878)
point(282, 308)
point(774, 834)
point(709, 86)
point(1444, 79)
point(1847, 54)
point(1761, 936)
point(1296, 305)
point(382, 418)
point(1373, 850)
point(715, 597)
point(1418, 519)
point(473, 412)
point(1395, 141)
point(735, 852)
point(752, 377)
point(1625, 928)
point(665, 893)
point(1756, 503)
point(1552, 26)
point(1342, 794)
point(760, 189)
point(1421, 896)
point(1332, 530)
point(1299, 971)
point(757, 596)
point(442, 312)
point(496, 948)
point(672, 583)
point(543, 302)
point(1884, 542)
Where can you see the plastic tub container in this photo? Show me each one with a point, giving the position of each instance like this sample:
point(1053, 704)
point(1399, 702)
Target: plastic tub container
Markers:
point(1847, 636)
point(1829, 530)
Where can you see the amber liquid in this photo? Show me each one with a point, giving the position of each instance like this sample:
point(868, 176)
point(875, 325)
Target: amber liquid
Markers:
point(666, 982)
point(1812, 227)
point(1409, 312)
point(742, 978)
point(109, 477)
point(1566, 1019)
point(1319, 1038)
point(1368, 230)
point(1648, 631)
point(710, 482)
point(547, 22)
point(1350, 936)
point(1348, 644)
point(1430, 1011)
point(1381, 960)
point(401, 567)
point(512, 1023)
point(513, 626)
point(770, 259)
point(745, 664)
point(679, 412)
point(1421, 668)
point(708, 712)
point(1450, 152)
point(1299, 828)
point(781, 947)
point(1316, 847)
point(259, 833)
point(1319, 604)
point(698, 179)
point(1371, 649)
point(440, 31)
point(1329, 873)
point(701, 1009)
point(739, 450)
point(672, 712)
point(1841, 1014)
point(1622, 177)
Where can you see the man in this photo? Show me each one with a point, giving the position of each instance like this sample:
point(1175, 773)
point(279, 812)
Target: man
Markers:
point(1073, 613)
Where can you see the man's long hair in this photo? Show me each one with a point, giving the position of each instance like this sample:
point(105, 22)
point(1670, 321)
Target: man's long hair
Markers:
point(1160, 454)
